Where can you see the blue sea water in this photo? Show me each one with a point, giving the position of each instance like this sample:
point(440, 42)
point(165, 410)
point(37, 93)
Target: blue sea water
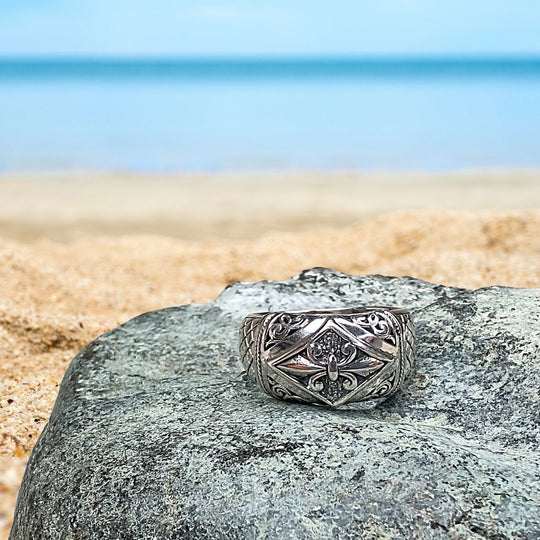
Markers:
point(226, 114)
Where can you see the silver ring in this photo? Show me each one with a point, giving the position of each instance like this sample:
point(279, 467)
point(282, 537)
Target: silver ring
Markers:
point(331, 356)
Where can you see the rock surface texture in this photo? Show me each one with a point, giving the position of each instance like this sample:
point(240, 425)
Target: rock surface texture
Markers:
point(156, 435)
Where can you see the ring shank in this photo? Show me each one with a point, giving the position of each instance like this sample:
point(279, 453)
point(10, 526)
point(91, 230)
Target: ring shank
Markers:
point(329, 356)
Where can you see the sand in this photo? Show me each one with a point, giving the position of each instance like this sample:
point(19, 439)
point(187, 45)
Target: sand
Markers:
point(200, 207)
point(79, 257)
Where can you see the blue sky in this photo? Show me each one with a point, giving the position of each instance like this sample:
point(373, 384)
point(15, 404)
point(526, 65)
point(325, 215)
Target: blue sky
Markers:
point(275, 27)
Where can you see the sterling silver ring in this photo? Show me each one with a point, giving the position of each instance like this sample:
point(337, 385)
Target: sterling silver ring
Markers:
point(330, 356)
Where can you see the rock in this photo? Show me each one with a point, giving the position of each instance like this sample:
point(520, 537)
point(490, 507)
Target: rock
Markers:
point(155, 435)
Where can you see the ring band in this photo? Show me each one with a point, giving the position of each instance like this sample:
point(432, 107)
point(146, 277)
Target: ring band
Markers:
point(331, 356)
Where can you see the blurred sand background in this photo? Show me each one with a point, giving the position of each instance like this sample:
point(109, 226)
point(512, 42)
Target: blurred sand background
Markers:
point(81, 253)
point(67, 206)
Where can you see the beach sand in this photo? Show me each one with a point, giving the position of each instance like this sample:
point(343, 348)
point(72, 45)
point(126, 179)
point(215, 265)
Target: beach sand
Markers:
point(79, 254)
point(194, 207)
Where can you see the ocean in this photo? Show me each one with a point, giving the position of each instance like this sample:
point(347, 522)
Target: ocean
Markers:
point(269, 114)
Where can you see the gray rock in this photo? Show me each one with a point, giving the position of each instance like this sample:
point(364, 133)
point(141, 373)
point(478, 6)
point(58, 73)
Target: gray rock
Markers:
point(155, 435)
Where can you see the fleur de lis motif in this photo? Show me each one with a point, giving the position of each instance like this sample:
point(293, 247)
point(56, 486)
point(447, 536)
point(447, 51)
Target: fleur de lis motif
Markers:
point(331, 365)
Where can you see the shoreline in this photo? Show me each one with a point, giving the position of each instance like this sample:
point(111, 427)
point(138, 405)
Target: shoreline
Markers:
point(67, 206)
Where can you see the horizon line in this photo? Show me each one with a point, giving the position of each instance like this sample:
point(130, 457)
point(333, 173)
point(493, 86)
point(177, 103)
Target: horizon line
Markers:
point(275, 57)
point(256, 68)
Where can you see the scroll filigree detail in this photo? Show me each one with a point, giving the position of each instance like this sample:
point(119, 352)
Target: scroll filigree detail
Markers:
point(280, 391)
point(283, 326)
point(378, 323)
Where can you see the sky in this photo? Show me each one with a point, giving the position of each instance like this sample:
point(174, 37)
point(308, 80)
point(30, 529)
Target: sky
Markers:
point(269, 27)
